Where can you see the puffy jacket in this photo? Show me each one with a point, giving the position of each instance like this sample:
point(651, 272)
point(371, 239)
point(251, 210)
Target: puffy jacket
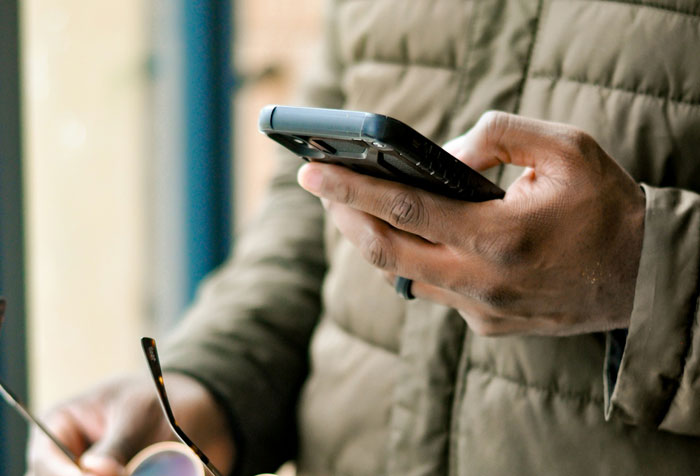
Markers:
point(316, 357)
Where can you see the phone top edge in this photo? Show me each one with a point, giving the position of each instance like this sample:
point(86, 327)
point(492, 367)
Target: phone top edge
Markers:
point(265, 117)
point(319, 121)
point(387, 129)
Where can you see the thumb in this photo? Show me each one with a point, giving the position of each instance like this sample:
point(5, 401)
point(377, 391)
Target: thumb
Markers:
point(464, 149)
point(503, 138)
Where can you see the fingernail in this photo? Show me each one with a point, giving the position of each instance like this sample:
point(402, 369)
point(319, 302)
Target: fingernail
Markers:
point(310, 178)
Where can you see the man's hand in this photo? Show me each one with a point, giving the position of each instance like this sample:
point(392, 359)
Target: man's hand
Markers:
point(109, 425)
point(557, 256)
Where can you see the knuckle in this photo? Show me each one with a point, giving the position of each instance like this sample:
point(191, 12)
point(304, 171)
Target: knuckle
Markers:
point(493, 123)
point(499, 296)
point(496, 293)
point(516, 248)
point(406, 209)
point(344, 193)
point(493, 118)
point(378, 252)
point(580, 139)
point(505, 248)
point(582, 144)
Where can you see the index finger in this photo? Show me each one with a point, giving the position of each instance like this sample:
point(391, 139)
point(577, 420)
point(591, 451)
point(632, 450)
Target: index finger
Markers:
point(407, 208)
point(45, 458)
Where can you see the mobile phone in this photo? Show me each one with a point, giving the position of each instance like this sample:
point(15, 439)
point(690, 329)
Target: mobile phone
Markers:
point(376, 145)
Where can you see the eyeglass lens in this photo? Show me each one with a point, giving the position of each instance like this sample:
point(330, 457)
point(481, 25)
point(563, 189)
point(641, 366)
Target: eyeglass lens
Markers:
point(170, 463)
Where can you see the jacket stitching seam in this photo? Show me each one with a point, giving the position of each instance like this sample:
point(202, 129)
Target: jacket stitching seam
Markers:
point(404, 64)
point(582, 82)
point(463, 79)
point(364, 340)
point(526, 71)
point(530, 54)
point(462, 83)
point(566, 395)
point(650, 5)
point(368, 1)
point(457, 404)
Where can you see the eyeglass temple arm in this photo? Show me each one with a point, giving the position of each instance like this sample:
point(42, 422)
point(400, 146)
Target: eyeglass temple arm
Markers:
point(15, 403)
point(22, 409)
point(151, 352)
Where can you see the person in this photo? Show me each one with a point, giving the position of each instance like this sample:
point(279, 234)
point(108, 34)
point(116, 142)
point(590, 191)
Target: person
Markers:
point(553, 332)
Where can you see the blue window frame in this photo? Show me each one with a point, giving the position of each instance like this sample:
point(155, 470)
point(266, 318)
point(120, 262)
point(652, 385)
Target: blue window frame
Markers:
point(208, 88)
point(204, 91)
point(193, 89)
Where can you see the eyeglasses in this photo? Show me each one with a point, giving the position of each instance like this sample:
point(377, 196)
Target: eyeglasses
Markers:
point(151, 352)
point(165, 458)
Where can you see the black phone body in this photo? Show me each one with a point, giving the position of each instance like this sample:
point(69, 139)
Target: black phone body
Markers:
point(375, 145)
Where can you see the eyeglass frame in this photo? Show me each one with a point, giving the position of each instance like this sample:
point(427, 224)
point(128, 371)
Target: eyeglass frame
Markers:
point(151, 352)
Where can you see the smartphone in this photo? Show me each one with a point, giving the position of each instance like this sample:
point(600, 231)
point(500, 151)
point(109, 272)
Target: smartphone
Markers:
point(375, 145)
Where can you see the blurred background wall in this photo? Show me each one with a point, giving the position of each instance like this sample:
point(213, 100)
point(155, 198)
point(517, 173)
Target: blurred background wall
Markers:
point(105, 163)
point(85, 161)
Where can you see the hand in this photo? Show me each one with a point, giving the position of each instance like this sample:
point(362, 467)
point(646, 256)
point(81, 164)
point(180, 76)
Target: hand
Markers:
point(109, 425)
point(557, 256)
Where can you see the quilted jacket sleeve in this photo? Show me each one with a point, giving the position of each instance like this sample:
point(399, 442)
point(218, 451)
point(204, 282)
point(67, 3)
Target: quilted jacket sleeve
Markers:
point(246, 337)
point(658, 383)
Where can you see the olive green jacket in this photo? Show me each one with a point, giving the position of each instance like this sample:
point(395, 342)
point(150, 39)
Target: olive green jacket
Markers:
point(316, 357)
